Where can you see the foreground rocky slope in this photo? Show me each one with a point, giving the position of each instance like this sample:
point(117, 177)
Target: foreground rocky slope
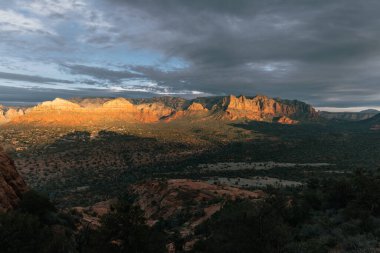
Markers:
point(12, 186)
point(183, 204)
point(89, 111)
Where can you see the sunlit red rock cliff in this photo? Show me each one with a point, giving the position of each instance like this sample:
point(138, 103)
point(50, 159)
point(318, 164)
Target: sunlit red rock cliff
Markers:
point(89, 111)
point(12, 186)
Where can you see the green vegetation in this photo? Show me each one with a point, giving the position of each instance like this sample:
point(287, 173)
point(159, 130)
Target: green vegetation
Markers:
point(123, 230)
point(36, 227)
point(329, 215)
point(334, 209)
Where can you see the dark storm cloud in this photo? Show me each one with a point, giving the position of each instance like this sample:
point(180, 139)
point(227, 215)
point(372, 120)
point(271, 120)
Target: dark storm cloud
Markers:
point(31, 79)
point(100, 73)
point(326, 52)
point(312, 50)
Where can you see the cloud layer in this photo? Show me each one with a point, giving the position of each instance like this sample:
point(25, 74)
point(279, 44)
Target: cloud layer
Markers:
point(324, 52)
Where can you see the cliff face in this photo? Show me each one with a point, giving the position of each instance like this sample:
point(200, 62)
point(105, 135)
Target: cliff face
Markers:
point(103, 110)
point(64, 112)
point(262, 108)
point(8, 114)
point(12, 186)
point(194, 111)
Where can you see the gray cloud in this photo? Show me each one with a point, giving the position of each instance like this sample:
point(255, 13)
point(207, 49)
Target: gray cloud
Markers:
point(324, 52)
point(100, 73)
point(14, 96)
point(31, 79)
point(311, 50)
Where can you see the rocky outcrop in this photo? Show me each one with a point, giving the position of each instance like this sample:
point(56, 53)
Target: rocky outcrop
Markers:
point(262, 108)
point(153, 112)
point(196, 107)
point(89, 112)
point(164, 199)
point(9, 114)
point(3, 119)
point(57, 104)
point(119, 104)
point(175, 103)
point(186, 203)
point(193, 112)
point(92, 111)
point(12, 186)
point(286, 121)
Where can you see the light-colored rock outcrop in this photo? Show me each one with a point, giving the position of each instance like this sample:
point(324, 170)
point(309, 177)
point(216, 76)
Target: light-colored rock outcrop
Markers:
point(119, 104)
point(9, 114)
point(196, 107)
point(57, 104)
point(3, 120)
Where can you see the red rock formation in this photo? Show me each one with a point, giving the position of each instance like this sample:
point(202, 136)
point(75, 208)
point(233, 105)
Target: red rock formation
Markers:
point(165, 199)
point(194, 111)
point(3, 120)
point(12, 186)
point(153, 112)
point(119, 104)
point(91, 111)
point(64, 112)
point(9, 114)
point(196, 107)
point(286, 121)
point(168, 199)
point(57, 104)
point(262, 108)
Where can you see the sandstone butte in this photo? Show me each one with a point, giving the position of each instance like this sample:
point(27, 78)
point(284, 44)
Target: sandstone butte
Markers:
point(96, 111)
point(12, 186)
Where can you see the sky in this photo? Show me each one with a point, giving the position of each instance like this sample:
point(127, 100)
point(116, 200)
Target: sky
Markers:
point(323, 52)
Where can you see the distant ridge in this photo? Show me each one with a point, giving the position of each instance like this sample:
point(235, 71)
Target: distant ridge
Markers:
point(370, 111)
point(79, 111)
point(372, 123)
point(350, 116)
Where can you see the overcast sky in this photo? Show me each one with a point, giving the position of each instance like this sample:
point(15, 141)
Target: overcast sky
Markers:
point(324, 52)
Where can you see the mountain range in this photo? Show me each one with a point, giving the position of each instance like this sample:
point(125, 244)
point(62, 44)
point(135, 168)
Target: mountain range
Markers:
point(351, 116)
point(83, 111)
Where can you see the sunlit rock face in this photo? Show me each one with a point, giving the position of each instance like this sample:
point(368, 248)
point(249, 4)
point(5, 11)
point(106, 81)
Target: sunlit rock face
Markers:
point(119, 104)
point(57, 104)
point(64, 112)
point(195, 107)
point(106, 110)
point(9, 114)
point(12, 186)
point(3, 120)
point(263, 108)
point(193, 112)
point(286, 121)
